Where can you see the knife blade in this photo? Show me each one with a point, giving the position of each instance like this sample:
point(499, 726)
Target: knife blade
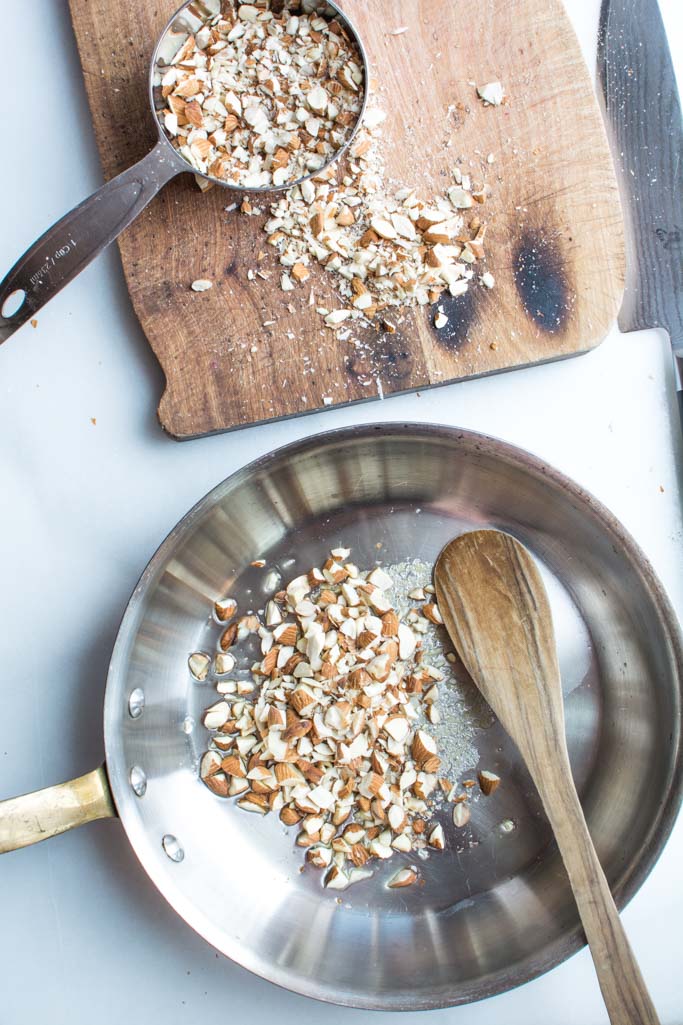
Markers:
point(643, 114)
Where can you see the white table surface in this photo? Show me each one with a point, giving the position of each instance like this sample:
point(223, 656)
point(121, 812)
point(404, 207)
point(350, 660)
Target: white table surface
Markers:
point(83, 934)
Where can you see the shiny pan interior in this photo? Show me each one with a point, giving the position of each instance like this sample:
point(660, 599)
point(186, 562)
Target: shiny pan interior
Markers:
point(493, 912)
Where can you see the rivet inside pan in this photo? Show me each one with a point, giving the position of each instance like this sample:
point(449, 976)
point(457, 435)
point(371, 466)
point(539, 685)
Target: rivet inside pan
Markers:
point(138, 780)
point(172, 847)
point(136, 703)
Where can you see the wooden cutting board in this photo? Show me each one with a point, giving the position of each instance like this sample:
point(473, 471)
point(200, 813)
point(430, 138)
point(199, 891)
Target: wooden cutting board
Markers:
point(554, 244)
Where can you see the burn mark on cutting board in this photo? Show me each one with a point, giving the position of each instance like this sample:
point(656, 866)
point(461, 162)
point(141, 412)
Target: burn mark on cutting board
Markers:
point(387, 356)
point(462, 312)
point(542, 281)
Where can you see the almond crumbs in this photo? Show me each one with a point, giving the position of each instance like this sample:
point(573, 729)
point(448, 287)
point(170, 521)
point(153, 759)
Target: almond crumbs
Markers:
point(261, 97)
point(331, 732)
point(384, 246)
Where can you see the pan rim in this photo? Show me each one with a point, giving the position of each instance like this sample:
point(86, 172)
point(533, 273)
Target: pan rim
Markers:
point(532, 966)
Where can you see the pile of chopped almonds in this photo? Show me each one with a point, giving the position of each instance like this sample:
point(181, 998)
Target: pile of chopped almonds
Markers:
point(385, 247)
point(261, 99)
point(329, 729)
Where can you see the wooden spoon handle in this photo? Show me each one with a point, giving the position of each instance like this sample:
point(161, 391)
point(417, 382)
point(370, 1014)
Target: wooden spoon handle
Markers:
point(623, 989)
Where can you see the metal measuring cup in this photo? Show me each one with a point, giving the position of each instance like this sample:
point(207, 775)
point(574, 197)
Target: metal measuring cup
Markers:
point(70, 244)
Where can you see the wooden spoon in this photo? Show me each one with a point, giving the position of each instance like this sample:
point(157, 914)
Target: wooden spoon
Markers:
point(495, 608)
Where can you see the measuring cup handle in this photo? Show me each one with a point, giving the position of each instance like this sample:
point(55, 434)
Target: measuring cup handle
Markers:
point(70, 244)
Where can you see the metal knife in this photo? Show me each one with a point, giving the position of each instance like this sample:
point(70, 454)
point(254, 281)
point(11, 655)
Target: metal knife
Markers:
point(643, 113)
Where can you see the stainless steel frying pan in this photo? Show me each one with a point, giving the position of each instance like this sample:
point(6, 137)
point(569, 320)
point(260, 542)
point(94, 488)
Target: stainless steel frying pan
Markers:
point(498, 911)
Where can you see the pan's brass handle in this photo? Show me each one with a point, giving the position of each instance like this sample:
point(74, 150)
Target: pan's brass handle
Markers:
point(34, 817)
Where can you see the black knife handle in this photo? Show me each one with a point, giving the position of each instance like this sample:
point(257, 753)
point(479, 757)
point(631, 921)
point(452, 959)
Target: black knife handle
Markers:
point(678, 375)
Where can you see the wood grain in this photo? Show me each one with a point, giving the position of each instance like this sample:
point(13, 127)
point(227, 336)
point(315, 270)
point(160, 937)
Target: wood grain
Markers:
point(496, 610)
point(555, 240)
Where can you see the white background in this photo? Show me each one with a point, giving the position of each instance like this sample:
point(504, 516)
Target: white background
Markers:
point(83, 934)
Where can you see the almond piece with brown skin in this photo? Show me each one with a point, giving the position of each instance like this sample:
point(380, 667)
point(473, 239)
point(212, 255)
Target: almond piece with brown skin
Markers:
point(378, 811)
point(404, 877)
point(269, 663)
point(359, 855)
point(228, 637)
point(210, 764)
point(365, 639)
point(291, 664)
point(280, 158)
point(276, 718)
point(423, 747)
point(432, 764)
point(290, 816)
point(368, 238)
point(436, 837)
point(345, 217)
point(353, 833)
point(193, 113)
point(312, 772)
point(301, 699)
point(300, 272)
point(259, 787)
point(286, 634)
point(432, 612)
point(390, 648)
point(336, 879)
point(305, 839)
point(340, 815)
point(319, 857)
point(297, 729)
point(287, 774)
point(317, 223)
point(488, 781)
point(374, 783)
point(225, 609)
point(217, 784)
point(234, 766)
point(237, 786)
point(216, 716)
point(359, 678)
point(255, 803)
point(389, 624)
point(397, 818)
